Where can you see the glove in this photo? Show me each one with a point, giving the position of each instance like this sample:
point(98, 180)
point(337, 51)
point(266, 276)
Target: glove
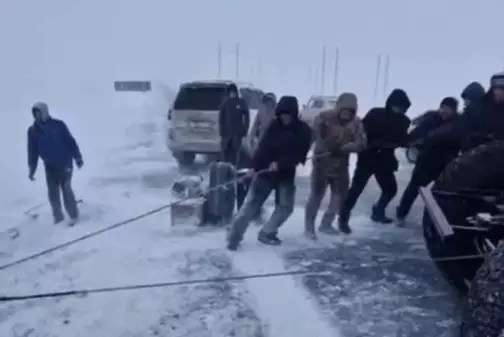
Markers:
point(79, 162)
point(31, 176)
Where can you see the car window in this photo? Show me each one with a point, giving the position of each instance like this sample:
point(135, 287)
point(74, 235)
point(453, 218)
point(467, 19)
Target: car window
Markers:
point(252, 97)
point(315, 104)
point(332, 104)
point(200, 98)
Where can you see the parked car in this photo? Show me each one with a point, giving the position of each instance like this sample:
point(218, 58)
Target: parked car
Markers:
point(193, 119)
point(315, 105)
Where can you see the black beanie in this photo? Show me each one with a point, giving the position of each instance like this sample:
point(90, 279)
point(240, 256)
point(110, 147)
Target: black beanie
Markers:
point(232, 88)
point(450, 102)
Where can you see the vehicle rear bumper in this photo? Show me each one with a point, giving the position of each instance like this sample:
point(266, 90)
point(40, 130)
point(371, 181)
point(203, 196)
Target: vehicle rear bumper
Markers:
point(193, 145)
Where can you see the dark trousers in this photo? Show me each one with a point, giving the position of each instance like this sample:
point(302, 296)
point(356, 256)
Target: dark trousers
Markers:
point(385, 179)
point(59, 182)
point(419, 178)
point(230, 149)
point(242, 189)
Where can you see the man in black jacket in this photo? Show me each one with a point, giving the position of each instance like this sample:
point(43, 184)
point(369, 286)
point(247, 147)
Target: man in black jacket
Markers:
point(472, 94)
point(436, 152)
point(386, 129)
point(484, 120)
point(234, 122)
point(433, 119)
point(284, 145)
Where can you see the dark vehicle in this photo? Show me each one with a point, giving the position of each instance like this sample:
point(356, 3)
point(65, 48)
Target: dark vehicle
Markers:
point(463, 227)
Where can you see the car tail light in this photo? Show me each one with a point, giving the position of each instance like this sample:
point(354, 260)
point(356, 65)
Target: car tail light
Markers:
point(169, 114)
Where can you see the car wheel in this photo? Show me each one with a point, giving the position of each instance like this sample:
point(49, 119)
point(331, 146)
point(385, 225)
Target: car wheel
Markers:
point(479, 169)
point(185, 158)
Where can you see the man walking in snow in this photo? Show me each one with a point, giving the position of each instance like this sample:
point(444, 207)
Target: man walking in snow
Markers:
point(284, 145)
point(437, 150)
point(338, 133)
point(51, 140)
point(386, 129)
point(234, 122)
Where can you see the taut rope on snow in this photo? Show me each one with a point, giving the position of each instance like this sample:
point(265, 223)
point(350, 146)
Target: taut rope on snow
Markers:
point(301, 272)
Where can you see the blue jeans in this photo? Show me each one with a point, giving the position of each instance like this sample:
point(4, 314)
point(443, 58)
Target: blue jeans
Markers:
point(259, 191)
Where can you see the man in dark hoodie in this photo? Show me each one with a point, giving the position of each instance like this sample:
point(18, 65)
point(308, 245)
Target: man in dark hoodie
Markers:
point(433, 119)
point(436, 152)
point(471, 94)
point(484, 120)
point(283, 146)
point(234, 122)
point(50, 139)
point(386, 129)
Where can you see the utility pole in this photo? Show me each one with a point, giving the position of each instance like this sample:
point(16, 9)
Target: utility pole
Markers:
point(322, 75)
point(336, 72)
point(237, 70)
point(377, 80)
point(386, 75)
point(219, 61)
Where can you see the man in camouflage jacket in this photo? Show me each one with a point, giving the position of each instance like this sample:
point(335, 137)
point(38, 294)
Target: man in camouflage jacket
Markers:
point(338, 133)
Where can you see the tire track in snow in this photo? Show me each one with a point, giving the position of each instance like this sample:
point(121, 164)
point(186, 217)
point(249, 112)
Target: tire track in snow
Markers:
point(283, 305)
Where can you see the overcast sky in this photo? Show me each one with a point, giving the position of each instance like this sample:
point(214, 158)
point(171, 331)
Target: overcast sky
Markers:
point(435, 47)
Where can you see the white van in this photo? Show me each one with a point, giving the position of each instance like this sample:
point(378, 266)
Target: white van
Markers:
point(193, 120)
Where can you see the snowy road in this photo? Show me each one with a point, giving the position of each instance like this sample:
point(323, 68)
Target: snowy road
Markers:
point(376, 282)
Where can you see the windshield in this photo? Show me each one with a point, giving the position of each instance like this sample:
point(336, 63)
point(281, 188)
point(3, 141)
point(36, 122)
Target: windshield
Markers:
point(252, 97)
point(200, 98)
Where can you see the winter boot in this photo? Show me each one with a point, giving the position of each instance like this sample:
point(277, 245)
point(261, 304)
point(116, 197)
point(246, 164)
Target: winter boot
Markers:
point(378, 215)
point(268, 238)
point(73, 221)
point(232, 241)
point(400, 218)
point(310, 235)
point(343, 225)
point(58, 219)
point(328, 229)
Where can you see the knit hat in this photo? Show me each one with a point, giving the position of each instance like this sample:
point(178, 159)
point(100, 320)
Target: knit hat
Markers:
point(232, 88)
point(497, 80)
point(450, 102)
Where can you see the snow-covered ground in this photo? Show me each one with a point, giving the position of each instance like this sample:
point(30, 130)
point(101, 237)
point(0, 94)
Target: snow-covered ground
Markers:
point(376, 282)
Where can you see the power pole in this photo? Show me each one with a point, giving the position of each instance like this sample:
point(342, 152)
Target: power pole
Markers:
point(322, 75)
point(336, 72)
point(219, 61)
point(237, 70)
point(377, 80)
point(386, 71)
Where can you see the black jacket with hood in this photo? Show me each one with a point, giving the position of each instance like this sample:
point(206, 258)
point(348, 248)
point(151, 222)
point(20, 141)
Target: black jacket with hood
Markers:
point(385, 130)
point(482, 122)
point(474, 92)
point(288, 145)
point(234, 118)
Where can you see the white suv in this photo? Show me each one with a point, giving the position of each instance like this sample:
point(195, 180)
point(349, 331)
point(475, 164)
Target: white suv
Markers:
point(315, 105)
point(193, 119)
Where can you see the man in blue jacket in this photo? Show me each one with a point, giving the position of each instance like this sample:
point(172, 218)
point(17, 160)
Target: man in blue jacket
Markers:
point(50, 139)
